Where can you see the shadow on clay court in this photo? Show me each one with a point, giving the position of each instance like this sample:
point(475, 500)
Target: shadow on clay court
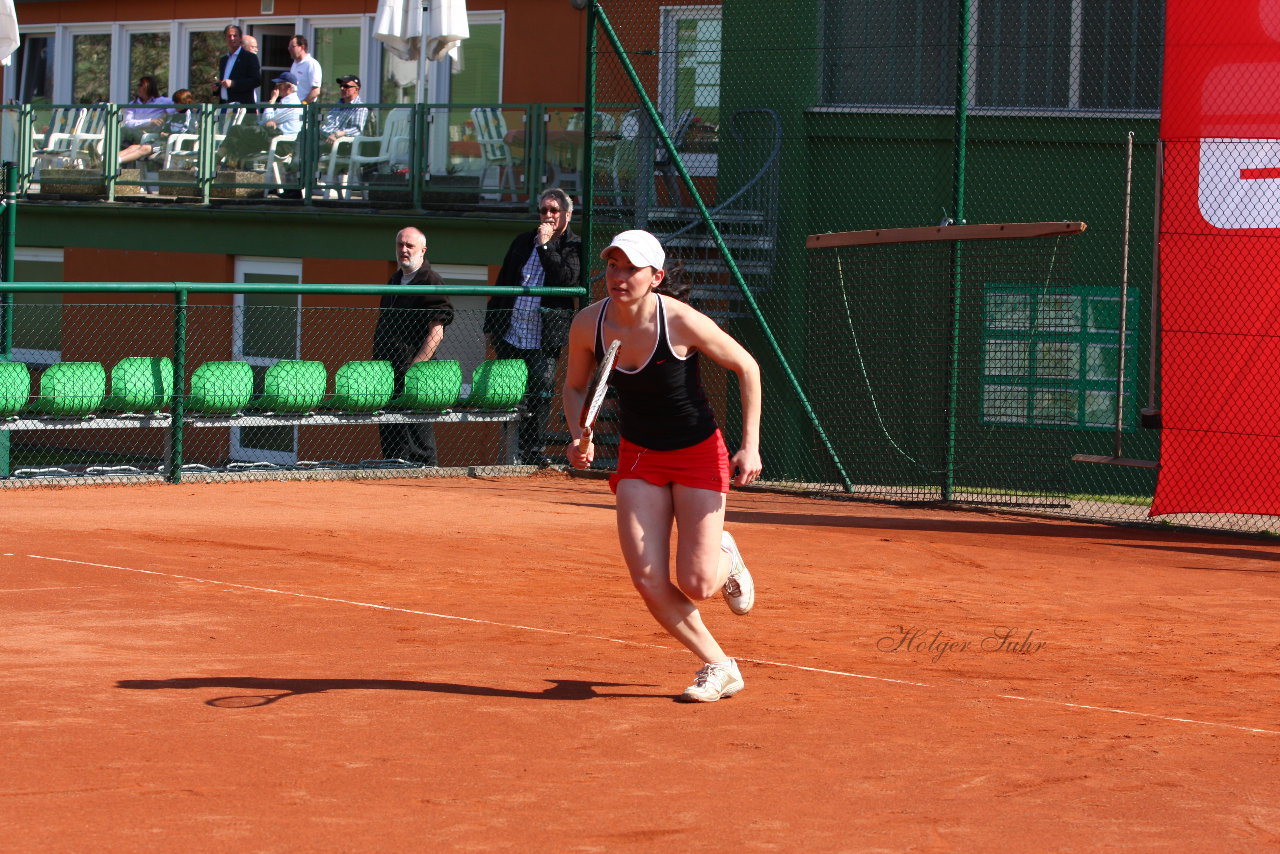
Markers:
point(1232, 554)
point(263, 692)
point(1114, 535)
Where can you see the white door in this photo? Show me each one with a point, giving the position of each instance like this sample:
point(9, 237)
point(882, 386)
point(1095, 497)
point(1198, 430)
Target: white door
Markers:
point(265, 329)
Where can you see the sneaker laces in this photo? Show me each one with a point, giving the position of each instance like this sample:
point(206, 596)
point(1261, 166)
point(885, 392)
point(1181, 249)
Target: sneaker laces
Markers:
point(711, 670)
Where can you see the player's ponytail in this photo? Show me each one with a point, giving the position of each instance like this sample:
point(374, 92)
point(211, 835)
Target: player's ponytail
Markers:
point(674, 284)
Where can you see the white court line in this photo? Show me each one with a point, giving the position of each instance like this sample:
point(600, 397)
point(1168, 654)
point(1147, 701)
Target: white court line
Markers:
point(375, 606)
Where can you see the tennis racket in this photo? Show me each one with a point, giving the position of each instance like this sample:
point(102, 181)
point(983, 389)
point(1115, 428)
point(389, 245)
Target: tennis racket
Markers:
point(595, 395)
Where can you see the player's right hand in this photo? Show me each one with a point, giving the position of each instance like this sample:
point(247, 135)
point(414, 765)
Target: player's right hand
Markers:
point(577, 458)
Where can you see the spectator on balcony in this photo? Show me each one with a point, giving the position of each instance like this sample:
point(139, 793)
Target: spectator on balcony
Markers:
point(283, 116)
point(238, 73)
point(148, 115)
point(533, 328)
point(410, 328)
point(306, 69)
point(250, 43)
point(181, 120)
point(346, 119)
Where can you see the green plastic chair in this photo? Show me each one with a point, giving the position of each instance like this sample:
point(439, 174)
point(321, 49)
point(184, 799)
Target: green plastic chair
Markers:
point(430, 386)
point(70, 389)
point(140, 384)
point(498, 384)
point(15, 387)
point(220, 388)
point(362, 386)
point(292, 385)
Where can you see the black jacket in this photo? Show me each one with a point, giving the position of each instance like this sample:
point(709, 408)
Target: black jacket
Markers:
point(245, 76)
point(561, 263)
point(405, 320)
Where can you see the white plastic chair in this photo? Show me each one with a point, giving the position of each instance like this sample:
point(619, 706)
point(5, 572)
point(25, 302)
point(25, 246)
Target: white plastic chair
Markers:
point(181, 149)
point(88, 141)
point(495, 151)
point(55, 147)
point(391, 148)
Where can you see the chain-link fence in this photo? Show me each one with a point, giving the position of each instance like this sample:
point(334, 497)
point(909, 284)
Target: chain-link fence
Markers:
point(146, 385)
point(952, 370)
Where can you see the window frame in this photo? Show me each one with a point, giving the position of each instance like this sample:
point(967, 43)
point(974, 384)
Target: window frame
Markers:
point(45, 255)
point(701, 164)
point(249, 265)
point(1074, 86)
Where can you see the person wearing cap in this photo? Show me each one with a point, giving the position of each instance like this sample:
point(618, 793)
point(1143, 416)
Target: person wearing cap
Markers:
point(673, 465)
point(285, 113)
point(306, 69)
point(534, 328)
point(283, 116)
point(345, 119)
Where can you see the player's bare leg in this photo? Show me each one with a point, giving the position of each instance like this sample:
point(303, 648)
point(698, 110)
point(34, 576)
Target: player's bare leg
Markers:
point(645, 516)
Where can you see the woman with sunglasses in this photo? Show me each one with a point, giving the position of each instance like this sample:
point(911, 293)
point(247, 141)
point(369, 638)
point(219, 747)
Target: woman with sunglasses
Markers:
point(535, 328)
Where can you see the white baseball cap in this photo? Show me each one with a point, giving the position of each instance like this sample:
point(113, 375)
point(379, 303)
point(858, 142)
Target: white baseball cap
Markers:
point(640, 247)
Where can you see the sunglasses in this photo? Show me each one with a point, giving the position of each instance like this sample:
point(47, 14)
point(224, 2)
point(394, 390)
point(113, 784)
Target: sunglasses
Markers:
point(347, 86)
point(548, 210)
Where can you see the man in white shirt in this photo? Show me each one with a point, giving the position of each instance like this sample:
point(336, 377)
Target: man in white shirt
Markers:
point(306, 69)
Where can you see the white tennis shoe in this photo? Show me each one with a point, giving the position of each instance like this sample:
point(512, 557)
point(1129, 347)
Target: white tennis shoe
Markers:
point(721, 679)
point(739, 589)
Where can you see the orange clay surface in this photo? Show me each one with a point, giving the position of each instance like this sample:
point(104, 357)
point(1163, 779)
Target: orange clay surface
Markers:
point(462, 665)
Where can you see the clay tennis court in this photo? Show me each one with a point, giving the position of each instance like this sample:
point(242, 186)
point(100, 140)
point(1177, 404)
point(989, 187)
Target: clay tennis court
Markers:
point(461, 665)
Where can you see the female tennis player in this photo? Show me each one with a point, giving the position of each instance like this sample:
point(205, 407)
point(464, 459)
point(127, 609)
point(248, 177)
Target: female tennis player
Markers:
point(673, 465)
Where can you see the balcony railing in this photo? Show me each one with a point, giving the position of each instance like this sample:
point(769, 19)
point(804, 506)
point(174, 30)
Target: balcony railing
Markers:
point(409, 155)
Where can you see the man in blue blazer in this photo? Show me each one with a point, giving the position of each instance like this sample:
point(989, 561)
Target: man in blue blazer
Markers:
point(238, 74)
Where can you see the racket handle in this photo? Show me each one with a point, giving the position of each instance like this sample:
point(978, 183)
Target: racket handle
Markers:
point(584, 441)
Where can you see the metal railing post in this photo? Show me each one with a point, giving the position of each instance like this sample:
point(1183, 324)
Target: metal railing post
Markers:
point(961, 141)
point(179, 384)
point(588, 156)
point(10, 222)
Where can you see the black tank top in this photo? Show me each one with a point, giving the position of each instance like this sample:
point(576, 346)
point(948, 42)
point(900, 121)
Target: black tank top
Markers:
point(662, 405)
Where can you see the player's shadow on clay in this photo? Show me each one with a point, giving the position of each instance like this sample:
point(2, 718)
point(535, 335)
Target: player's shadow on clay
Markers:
point(263, 692)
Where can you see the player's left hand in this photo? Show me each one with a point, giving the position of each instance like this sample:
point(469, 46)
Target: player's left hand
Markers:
point(748, 466)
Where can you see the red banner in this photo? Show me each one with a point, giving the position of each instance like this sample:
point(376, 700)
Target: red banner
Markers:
point(1220, 259)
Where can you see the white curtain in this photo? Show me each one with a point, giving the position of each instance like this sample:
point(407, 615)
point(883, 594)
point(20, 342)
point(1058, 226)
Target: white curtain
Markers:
point(446, 29)
point(398, 25)
point(9, 31)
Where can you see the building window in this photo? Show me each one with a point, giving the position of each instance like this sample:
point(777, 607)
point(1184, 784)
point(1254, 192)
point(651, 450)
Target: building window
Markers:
point(265, 329)
point(1051, 358)
point(204, 49)
point(1058, 55)
point(90, 68)
point(37, 317)
point(689, 83)
point(149, 57)
point(337, 49)
point(34, 61)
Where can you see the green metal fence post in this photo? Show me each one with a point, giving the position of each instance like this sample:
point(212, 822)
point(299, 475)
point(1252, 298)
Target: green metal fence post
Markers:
point(588, 156)
point(957, 201)
point(723, 248)
point(179, 384)
point(10, 222)
point(206, 156)
point(111, 145)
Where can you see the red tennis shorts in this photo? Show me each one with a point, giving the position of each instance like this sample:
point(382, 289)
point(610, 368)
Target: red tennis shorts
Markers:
point(701, 466)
